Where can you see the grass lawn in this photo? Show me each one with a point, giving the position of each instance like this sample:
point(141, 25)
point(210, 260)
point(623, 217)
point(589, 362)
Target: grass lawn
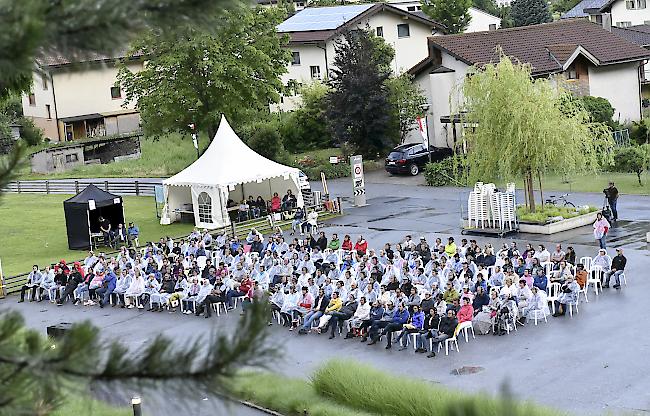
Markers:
point(626, 183)
point(33, 229)
point(80, 405)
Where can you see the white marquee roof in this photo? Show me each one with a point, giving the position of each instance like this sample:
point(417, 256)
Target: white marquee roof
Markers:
point(228, 161)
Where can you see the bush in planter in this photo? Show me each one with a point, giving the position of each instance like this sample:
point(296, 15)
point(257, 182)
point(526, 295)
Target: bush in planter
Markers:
point(544, 214)
point(449, 171)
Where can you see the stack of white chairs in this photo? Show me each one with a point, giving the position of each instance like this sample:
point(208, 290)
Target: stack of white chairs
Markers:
point(486, 207)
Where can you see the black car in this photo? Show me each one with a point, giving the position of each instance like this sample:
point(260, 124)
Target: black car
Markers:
point(411, 158)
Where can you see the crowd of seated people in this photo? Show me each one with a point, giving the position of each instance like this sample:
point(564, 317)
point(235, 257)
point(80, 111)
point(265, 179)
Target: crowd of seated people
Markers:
point(417, 292)
point(251, 208)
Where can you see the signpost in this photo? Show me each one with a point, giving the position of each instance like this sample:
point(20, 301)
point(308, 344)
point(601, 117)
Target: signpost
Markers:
point(358, 183)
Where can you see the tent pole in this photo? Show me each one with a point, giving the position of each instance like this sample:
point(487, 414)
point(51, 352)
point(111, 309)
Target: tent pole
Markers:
point(90, 238)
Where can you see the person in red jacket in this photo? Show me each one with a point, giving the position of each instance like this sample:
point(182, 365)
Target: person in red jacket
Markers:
point(466, 312)
point(239, 291)
point(361, 246)
point(347, 243)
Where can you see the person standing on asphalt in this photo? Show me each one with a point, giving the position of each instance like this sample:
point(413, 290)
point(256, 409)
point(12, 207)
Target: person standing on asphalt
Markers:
point(601, 227)
point(611, 193)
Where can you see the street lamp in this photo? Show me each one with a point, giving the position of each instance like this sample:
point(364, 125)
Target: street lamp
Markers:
point(136, 402)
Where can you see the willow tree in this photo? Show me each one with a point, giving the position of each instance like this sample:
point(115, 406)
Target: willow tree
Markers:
point(525, 127)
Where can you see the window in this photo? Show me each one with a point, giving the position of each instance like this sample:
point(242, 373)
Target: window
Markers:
point(315, 71)
point(380, 31)
point(71, 158)
point(640, 4)
point(44, 81)
point(629, 4)
point(205, 207)
point(403, 30)
point(571, 72)
point(116, 92)
point(32, 99)
point(492, 26)
point(411, 8)
point(419, 8)
point(295, 58)
point(624, 24)
point(48, 111)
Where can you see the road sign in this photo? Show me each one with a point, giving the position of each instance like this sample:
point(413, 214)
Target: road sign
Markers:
point(358, 182)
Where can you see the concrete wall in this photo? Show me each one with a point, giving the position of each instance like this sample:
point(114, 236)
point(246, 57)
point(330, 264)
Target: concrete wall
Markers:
point(54, 160)
point(620, 85)
point(620, 13)
point(124, 123)
point(95, 82)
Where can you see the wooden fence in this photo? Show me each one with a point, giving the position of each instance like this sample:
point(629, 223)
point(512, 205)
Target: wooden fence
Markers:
point(134, 188)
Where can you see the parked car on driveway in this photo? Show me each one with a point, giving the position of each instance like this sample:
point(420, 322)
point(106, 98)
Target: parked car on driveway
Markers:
point(411, 158)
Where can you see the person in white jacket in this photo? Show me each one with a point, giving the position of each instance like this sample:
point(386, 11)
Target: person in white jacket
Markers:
point(135, 290)
point(361, 314)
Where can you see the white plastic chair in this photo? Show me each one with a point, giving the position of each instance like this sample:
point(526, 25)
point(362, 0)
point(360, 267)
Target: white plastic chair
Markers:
point(595, 278)
point(553, 294)
point(586, 261)
point(465, 327)
point(622, 277)
point(200, 261)
point(572, 305)
point(453, 340)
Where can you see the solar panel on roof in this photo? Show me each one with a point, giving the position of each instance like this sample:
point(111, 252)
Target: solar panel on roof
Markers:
point(322, 18)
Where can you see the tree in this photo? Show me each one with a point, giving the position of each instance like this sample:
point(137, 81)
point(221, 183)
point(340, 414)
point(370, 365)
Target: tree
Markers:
point(453, 14)
point(562, 6)
point(305, 128)
point(36, 28)
point(357, 105)
point(600, 110)
point(264, 137)
point(526, 128)
point(193, 76)
point(34, 371)
point(407, 102)
point(529, 12)
point(632, 159)
point(489, 6)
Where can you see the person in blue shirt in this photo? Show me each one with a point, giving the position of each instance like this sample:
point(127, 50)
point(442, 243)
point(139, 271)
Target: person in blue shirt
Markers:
point(132, 234)
point(400, 317)
point(415, 326)
point(108, 286)
point(376, 313)
point(540, 280)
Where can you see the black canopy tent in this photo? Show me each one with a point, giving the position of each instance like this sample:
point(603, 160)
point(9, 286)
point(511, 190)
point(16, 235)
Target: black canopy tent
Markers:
point(82, 213)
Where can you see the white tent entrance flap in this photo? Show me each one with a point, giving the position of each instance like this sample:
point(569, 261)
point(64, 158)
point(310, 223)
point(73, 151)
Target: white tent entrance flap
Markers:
point(228, 170)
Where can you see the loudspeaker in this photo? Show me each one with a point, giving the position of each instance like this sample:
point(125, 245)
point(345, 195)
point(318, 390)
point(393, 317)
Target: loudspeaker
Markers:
point(58, 330)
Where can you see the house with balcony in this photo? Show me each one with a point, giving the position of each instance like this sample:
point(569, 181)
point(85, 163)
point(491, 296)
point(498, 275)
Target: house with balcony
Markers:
point(576, 53)
point(313, 33)
point(80, 98)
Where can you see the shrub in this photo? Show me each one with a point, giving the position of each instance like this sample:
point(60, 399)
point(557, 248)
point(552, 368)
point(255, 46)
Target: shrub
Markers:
point(264, 137)
point(31, 134)
point(543, 215)
point(364, 388)
point(600, 110)
point(306, 127)
point(449, 171)
point(632, 159)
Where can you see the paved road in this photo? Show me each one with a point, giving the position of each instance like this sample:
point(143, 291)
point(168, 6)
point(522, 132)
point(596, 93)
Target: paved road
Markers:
point(590, 364)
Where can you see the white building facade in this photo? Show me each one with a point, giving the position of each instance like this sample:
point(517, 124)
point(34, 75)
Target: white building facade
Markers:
point(585, 70)
point(68, 102)
point(313, 48)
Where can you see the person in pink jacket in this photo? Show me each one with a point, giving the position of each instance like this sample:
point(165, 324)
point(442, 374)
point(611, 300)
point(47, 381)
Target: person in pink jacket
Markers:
point(601, 228)
point(466, 312)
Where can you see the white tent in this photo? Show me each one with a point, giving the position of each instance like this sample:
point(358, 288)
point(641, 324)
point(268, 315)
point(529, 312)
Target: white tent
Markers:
point(227, 170)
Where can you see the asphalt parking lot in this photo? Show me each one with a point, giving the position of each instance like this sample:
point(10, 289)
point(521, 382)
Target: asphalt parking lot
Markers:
point(592, 363)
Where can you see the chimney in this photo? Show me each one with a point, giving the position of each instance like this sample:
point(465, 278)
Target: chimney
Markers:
point(607, 21)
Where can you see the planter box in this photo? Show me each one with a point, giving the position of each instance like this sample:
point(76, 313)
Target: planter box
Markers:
point(556, 227)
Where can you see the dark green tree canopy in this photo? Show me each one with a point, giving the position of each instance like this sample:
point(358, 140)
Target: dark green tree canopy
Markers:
point(529, 12)
point(453, 14)
point(193, 77)
point(357, 105)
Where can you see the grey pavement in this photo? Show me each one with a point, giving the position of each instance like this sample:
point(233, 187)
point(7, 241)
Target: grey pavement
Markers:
point(592, 363)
